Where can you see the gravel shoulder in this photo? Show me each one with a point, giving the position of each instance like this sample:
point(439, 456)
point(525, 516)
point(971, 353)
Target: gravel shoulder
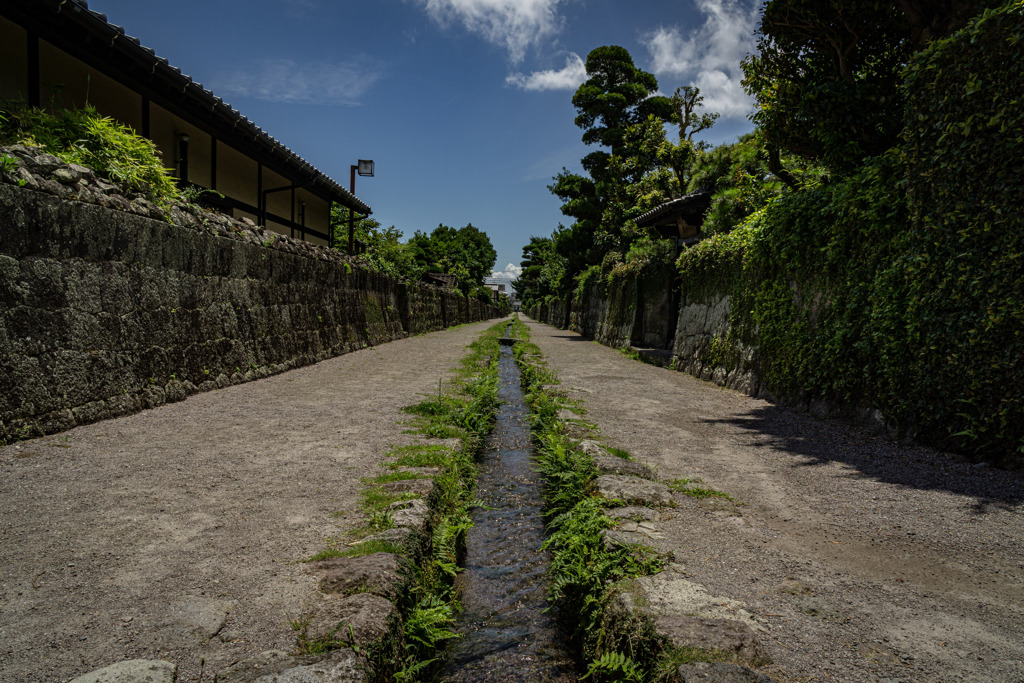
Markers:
point(864, 559)
point(175, 533)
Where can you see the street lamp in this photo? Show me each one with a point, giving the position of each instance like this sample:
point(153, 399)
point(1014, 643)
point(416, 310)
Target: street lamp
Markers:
point(363, 167)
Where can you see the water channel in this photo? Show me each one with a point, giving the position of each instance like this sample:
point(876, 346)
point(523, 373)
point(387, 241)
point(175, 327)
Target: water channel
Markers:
point(505, 633)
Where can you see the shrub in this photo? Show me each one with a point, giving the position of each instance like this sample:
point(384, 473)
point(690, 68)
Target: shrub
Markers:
point(83, 136)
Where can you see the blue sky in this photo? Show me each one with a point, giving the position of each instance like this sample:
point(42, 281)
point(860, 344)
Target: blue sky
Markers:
point(464, 105)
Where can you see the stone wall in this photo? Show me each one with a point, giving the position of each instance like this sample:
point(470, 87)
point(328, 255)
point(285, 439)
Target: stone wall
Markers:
point(104, 311)
point(705, 347)
point(645, 313)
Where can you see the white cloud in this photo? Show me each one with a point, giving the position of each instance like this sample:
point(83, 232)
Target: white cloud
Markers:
point(709, 56)
point(569, 78)
point(512, 24)
point(284, 80)
point(510, 274)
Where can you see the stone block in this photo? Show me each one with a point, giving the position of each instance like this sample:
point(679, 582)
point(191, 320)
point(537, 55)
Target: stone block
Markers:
point(363, 619)
point(188, 622)
point(632, 490)
point(342, 666)
point(606, 463)
point(133, 671)
point(719, 672)
point(250, 669)
point(379, 574)
point(685, 614)
point(410, 514)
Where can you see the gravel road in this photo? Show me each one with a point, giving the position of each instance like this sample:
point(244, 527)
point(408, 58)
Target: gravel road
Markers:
point(867, 560)
point(175, 533)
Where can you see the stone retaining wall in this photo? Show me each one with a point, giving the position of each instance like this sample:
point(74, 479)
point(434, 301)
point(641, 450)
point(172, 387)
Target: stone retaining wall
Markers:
point(693, 335)
point(104, 311)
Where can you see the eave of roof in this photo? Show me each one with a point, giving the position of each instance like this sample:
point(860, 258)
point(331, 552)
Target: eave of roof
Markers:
point(696, 202)
point(219, 114)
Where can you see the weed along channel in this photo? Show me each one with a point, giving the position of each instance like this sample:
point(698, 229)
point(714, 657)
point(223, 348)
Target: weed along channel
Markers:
point(505, 632)
point(508, 545)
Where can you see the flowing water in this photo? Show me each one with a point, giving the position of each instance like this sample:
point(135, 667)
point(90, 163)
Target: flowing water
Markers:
point(506, 635)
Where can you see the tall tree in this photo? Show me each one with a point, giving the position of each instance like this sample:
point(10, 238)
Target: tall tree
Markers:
point(616, 101)
point(933, 19)
point(616, 95)
point(543, 269)
point(826, 78)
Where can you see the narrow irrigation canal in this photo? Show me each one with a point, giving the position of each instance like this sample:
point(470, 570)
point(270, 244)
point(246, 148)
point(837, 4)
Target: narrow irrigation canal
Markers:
point(506, 635)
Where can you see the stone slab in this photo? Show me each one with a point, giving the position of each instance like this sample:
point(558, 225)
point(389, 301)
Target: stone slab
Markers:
point(252, 668)
point(378, 573)
point(132, 671)
point(190, 621)
point(719, 672)
point(343, 666)
point(369, 616)
point(632, 490)
point(410, 514)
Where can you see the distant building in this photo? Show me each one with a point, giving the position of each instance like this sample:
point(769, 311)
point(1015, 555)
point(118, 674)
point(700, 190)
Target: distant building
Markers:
point(60, 52)
point(497, 287)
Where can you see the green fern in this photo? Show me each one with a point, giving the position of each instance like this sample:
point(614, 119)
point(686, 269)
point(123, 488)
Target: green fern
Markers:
point(614, 666)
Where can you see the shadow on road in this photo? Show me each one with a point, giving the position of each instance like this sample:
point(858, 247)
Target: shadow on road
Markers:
point(814, 442)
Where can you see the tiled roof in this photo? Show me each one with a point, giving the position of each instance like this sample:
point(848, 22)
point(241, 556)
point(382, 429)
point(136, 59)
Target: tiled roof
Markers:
point(216, 111)
point(695, 202)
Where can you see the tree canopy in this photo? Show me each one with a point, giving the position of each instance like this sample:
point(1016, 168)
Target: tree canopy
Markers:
point(827, 74)
point(466, 253)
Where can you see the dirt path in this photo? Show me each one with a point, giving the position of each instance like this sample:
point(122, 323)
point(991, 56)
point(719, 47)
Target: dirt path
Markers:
point(868, 560)
point(144, 536)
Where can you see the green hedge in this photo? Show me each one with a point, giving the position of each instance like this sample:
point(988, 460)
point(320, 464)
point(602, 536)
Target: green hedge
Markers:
point(902, 286)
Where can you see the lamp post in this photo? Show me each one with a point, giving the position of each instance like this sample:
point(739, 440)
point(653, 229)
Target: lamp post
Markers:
point(364, 168)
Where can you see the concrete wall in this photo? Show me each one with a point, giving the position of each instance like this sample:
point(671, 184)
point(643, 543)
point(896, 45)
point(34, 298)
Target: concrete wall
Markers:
point(104, 312)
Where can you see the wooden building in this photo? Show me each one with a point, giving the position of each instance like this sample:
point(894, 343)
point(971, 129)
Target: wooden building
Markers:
point(680, 219)
point(60, 53)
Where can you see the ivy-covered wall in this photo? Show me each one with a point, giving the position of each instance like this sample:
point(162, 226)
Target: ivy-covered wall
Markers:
point(895, 295)
point(104, 312)
point(899, 292)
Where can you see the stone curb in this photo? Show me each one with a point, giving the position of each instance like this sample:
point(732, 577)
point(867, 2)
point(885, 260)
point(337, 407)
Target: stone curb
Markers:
point(678, 612)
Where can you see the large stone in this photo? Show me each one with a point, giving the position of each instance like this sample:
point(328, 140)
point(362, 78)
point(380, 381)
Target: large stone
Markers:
point(343, 666)
point(719, 672)
point(263, 664)
point(422, 487)
point(670, 592)
point(725, 635)
point(378, 573)
point(363, 619)
point(633, 513)
point(188, 622)
point(687, 615)
point(608, 463)
point(132, 671)
point(410, 514)
point(632, 490)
